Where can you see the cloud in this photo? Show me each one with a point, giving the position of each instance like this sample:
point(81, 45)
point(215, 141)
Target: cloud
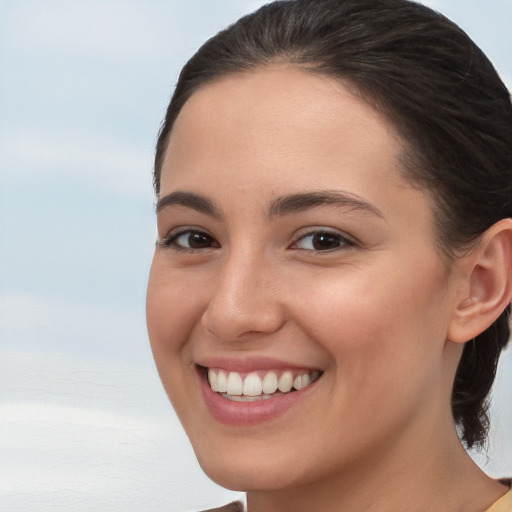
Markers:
point(112, 30)
point(121, 169)
point(120, 30)
point(33, 322)
point(79, 435)
point(85, 459)
point(80, 431)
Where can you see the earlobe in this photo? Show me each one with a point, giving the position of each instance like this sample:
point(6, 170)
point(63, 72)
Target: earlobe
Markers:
point(489, 283)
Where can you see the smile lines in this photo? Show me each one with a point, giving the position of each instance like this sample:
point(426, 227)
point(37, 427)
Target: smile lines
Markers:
point(259, 385)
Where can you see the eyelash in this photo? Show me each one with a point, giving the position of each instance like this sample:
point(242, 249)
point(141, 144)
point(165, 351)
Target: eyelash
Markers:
point(171, 241)
point(343, 241)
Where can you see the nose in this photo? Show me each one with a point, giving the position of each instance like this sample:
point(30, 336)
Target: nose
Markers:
point(244, 299)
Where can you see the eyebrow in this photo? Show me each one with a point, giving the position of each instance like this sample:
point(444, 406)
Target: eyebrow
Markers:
point(283, 205)
point(299, 202)
point(189, 200)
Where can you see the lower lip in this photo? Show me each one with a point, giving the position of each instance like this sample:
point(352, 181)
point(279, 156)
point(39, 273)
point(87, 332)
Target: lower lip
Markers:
point(230, 412)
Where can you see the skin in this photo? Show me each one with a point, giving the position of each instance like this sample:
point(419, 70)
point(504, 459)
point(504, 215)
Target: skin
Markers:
point(374, 313)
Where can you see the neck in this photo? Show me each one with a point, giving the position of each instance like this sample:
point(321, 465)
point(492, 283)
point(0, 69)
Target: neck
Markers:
point(434, 475)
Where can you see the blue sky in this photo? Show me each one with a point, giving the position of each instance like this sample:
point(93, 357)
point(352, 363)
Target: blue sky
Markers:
point(84, 423)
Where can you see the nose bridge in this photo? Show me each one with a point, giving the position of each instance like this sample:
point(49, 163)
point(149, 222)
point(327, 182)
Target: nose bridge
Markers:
point(244, 299)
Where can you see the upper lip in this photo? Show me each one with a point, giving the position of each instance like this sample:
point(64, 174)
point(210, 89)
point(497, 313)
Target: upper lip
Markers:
point(249, 364)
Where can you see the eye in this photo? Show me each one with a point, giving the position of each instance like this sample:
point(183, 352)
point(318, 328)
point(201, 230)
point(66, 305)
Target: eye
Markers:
point(322, 241)
point(190, 240)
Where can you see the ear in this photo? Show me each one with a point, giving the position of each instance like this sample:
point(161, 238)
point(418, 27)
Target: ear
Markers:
point(488, 283)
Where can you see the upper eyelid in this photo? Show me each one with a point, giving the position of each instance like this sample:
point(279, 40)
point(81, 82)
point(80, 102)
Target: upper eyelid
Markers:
point(302, 233)
point(177, 230)
point(345, 243)
point(320, 229)
point(175, 233)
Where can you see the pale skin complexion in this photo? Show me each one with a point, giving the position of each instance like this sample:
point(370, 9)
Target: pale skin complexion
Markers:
point(353, 286)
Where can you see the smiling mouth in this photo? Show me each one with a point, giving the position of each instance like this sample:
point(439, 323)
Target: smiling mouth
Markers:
point(259, 385)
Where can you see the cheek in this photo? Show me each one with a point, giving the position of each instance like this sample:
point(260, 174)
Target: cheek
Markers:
point(171, 313)
point(385, 344)
point(372, 322)
point(173, 305)
point(173, 308)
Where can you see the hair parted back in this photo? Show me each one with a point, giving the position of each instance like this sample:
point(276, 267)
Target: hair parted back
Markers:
point(442, 95)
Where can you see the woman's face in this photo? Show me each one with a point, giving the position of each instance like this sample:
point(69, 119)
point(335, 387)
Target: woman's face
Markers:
point(291, 250)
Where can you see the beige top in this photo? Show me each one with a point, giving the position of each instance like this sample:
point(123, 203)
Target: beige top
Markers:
point(504, 504)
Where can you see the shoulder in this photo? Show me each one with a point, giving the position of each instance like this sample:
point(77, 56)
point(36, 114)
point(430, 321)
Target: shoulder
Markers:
point(236, 506)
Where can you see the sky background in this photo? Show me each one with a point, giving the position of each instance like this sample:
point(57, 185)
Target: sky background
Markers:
point(84, 84)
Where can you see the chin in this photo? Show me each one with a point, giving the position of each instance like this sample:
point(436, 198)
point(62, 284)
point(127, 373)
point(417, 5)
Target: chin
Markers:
point(248, 477)
point(250, 469)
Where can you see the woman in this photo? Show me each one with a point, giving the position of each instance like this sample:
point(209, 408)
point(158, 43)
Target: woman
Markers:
point(332, 280)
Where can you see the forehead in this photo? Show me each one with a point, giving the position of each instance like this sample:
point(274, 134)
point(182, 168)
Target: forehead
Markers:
point(281, 130)
point(275, 97)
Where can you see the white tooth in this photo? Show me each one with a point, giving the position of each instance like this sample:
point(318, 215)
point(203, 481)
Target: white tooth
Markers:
point(237, 398)
point(269, 383)
point(297, 383)
point(235, 384)
point(212, 378)
point(253, 385)
point(222, 382)
point(305, 380)
point(285, 382)
point(243, 398)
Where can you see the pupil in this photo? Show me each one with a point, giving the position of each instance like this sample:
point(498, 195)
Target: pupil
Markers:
point(325, 241)
point(198, 241)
